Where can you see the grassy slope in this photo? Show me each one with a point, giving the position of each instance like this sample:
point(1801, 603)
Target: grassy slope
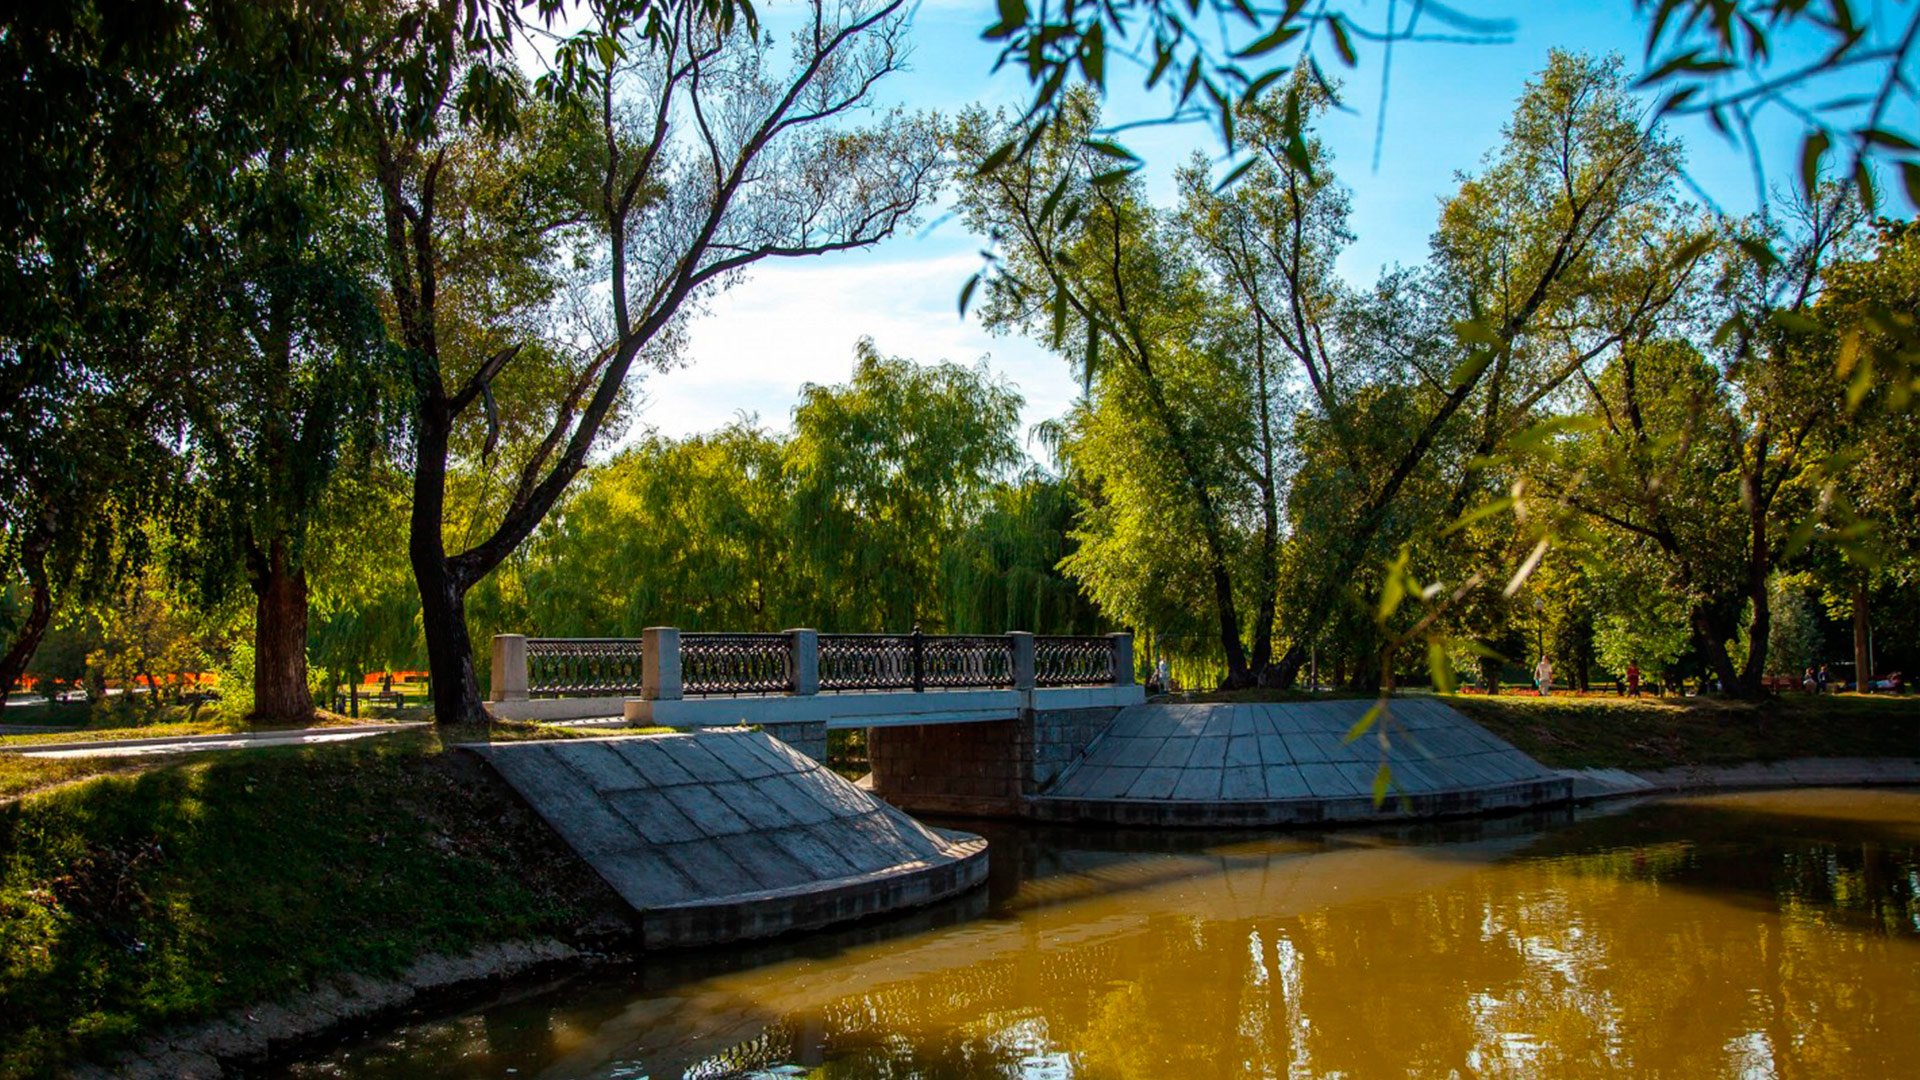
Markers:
point(132, 901)
point(1651, 733)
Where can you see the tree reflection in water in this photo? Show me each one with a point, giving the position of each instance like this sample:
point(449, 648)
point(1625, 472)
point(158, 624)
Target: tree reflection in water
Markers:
point(1753, 935)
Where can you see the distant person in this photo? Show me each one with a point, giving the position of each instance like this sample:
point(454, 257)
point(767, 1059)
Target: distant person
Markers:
point(1807, 682)
point(1633, 678)
point(1543, 675)
point(1162, 676)
point(1820, 680)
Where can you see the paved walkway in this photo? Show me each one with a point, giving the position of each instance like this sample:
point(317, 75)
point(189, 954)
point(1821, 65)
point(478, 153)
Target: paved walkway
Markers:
point(1591, 784)
point(35, 729)
point(190, 744)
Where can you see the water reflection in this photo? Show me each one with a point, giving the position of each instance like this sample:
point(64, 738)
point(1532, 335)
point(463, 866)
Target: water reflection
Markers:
point(1748, 935)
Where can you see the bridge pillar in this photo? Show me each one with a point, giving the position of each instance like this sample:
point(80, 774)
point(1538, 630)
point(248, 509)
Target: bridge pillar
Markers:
point(1023, 669)
point(803, 653)
point(509, 682)
point(660, 663)
point(1122, 658)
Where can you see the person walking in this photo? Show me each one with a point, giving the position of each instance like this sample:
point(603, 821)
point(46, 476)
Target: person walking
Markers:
point(1633, 678)
point(1543, 675)
point(1821, 679)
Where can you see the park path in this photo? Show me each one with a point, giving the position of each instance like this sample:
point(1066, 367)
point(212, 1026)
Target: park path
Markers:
point(190, 744)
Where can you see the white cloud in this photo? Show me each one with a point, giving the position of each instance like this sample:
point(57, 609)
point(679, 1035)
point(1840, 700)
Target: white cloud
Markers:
point(796, 322)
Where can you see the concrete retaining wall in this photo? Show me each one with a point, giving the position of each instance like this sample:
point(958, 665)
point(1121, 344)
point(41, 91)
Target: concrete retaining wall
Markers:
point(987, 769)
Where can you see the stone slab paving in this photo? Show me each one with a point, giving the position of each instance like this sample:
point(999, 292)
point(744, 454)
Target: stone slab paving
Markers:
point(1280, 763)
point(729, 834)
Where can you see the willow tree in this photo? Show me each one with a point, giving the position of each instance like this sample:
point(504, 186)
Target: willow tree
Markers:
point(887, 471)
point(701, 150)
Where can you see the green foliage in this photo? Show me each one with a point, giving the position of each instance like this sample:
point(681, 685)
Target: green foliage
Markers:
point(893, 503)
point(130, 903)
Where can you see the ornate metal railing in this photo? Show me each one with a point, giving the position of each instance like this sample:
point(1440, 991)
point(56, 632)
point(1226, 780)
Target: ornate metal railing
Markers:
point(800, 662)
point(866, 662)
point(583, 667)
point(914, 661)
point(1072, 661)
point(956, 660)
point(735, 664)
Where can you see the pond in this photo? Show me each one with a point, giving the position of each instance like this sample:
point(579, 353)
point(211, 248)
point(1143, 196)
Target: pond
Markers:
point(1747, 935)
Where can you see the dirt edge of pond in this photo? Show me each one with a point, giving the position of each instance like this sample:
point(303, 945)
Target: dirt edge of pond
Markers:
point(248, 1038)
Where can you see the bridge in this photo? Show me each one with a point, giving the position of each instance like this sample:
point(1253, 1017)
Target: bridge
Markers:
point(956, 722)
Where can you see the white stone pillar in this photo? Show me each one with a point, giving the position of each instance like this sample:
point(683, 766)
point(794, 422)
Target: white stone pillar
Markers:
point(803, 656)
point(1023, 670)
point(1122, 658)
point(660, 663)
point(509, 668)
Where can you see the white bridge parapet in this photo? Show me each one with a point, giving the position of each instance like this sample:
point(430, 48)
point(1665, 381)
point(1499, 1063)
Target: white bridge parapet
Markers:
point(670, 678)
point(878, 708)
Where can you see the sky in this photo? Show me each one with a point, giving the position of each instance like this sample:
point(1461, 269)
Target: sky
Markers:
point(796, 321)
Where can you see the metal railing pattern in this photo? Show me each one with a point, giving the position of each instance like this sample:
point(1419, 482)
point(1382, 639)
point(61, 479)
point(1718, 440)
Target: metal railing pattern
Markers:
point(760, 663)
point(735, 664)
point(1072, 661)
point(584, 667)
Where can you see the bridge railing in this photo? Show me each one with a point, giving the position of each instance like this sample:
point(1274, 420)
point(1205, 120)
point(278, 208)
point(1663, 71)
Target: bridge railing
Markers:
point(665, 664)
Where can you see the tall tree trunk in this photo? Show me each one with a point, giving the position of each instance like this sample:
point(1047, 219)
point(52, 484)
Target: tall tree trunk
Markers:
point(39, 613)
point(443, 590)
point(280, 636)
point(1759, 566)
point(1862, 654)
point(1261, 662)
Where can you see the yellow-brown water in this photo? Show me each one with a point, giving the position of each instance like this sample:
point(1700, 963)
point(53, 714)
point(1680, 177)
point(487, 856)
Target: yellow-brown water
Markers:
point(1753, 935)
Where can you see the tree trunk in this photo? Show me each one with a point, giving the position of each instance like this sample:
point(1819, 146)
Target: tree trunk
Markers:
point(20, 653)
point(33, 561)
point(443, 609)
point(1759, 566)
point(1711, 640)
point(280, 637)
point(443, 594)
point(1862, 654)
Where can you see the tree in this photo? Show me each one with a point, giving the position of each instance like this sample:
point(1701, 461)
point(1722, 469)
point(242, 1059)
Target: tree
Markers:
point(1551, 257)
point(1087, 265)
point(1874, 514)
point(287, 364)
point(887, 471)
point(703, 155)
point(877, 512)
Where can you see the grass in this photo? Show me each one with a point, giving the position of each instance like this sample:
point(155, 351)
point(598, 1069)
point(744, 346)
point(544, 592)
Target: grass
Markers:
point(132, 901)
point(1651, 733)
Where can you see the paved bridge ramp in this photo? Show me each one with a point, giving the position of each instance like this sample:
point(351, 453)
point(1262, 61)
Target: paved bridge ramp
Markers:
point(726, 835)
point(1271, 764)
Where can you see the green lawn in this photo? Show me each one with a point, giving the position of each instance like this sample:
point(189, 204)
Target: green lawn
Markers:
point(131, 901)
point(1651, 733)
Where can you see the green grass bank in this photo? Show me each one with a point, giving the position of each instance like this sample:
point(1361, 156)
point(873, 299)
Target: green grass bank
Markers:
point(137, 900)
point(1654, 733)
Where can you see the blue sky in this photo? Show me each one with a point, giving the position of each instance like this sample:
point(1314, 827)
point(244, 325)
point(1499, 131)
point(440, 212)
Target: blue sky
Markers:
point(797, 321)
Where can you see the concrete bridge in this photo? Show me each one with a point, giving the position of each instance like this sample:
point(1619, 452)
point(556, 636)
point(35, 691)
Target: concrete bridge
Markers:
point(728, 833)
point(1030, 704)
